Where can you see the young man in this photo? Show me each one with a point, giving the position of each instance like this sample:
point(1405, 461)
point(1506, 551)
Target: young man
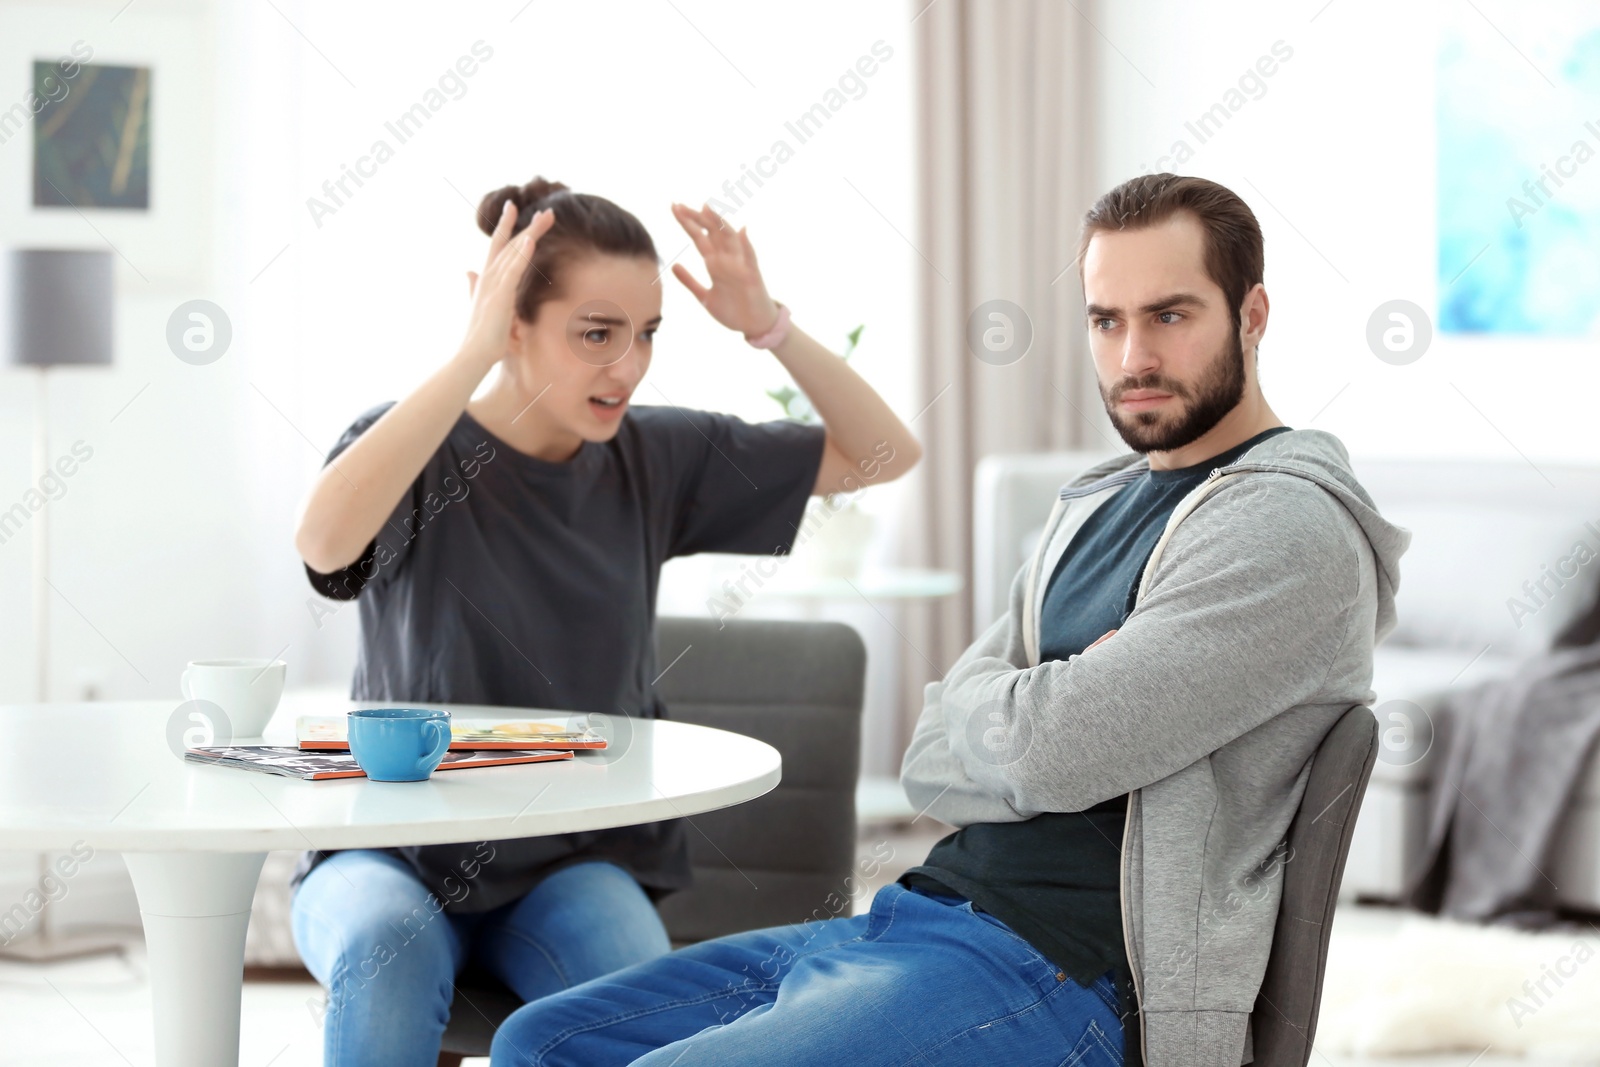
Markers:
point(1123, 751)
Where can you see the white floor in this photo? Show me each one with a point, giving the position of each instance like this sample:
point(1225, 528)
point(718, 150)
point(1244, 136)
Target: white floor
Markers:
point(97, 1012)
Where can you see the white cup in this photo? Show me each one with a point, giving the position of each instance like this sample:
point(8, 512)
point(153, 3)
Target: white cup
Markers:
point(247, 691)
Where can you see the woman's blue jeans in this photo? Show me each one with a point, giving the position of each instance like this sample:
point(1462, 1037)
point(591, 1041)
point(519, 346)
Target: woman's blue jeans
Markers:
point(376, 939)
point(922, 979)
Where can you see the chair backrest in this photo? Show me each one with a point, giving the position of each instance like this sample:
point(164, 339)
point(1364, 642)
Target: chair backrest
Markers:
point(1284, 1023)
point(798, 686)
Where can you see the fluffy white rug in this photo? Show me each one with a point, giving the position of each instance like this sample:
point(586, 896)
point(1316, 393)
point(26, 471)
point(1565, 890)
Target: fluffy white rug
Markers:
point(1428, 985)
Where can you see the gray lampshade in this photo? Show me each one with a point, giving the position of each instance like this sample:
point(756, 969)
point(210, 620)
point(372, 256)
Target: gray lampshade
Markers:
point(55, 307)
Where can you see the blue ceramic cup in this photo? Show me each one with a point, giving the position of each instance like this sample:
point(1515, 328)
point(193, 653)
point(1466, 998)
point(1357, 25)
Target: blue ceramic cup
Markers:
point(398, 744)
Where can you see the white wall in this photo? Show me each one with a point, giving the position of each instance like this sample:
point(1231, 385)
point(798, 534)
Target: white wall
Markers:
point(635, 101)
point(150, 556)
point(175, 541)
point(1337, 160)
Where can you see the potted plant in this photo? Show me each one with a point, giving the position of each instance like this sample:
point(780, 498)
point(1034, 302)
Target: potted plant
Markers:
point(835, 533)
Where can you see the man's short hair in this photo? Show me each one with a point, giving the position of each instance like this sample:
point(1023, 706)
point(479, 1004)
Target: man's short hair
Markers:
point(1233, 252)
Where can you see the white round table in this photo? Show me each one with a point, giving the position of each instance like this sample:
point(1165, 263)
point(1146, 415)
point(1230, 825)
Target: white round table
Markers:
point(194, 837)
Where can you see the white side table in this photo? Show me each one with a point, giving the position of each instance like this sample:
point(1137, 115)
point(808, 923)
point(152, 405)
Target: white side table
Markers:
point(879, 798)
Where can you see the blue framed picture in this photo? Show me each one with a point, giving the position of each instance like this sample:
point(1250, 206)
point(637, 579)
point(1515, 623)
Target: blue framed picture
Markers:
point(1518, 123)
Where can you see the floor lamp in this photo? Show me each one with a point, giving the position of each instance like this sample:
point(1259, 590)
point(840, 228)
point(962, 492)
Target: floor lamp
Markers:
point(55, 311)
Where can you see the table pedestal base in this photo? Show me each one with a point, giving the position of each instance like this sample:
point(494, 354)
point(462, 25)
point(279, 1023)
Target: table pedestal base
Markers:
point(195, 907)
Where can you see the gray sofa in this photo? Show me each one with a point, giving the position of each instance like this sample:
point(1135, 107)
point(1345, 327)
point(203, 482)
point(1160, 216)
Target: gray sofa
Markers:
point(1482, 529)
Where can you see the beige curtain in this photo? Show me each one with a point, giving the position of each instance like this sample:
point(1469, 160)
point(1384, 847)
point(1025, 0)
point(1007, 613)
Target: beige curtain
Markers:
point(1003, 170)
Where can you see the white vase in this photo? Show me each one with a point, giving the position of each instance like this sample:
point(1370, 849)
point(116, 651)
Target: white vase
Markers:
point(833, 538)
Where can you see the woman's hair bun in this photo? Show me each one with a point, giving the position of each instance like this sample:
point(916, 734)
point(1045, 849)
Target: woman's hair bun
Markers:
point(520, 197)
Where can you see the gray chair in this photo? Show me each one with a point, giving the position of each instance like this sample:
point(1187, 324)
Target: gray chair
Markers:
point(795, 685)
point(1284, 1022)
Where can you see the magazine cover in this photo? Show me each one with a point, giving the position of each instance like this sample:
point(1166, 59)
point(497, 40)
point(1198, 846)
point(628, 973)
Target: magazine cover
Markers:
point(326, 733)
point(293, 763)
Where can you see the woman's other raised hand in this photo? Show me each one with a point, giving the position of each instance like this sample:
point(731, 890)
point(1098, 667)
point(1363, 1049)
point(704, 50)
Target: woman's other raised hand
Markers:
point(737, 297)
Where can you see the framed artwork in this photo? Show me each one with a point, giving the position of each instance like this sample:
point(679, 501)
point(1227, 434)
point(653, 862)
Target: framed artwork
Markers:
point(1518, 176)
point(109, 139)
point(91, 146)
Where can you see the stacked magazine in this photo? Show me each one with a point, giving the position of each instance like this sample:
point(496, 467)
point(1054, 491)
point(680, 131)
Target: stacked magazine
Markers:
point(326, 733)
point(324, 747)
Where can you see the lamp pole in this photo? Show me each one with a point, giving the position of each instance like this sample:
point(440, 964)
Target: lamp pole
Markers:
point(55, 310)
point(41, 540)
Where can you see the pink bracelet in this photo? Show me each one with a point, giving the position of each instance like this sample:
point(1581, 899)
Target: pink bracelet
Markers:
point(773, 337)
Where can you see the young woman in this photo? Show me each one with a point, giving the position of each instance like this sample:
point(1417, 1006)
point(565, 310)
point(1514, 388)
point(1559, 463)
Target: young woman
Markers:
point(505, 550)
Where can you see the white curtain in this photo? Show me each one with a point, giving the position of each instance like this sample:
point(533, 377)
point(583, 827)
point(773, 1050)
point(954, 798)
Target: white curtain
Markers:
point(1003, 170)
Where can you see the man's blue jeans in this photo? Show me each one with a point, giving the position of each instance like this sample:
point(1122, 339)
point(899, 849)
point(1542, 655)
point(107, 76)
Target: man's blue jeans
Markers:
point(922, 979)
point(388, 957)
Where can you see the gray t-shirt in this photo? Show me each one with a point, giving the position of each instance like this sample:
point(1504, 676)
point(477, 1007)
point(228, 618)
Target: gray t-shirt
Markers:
point(509, 580)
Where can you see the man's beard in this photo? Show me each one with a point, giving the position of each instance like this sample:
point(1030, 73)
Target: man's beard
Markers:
point(1206, 402)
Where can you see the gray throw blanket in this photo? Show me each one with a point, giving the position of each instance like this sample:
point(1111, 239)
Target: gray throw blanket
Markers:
point(1512, 753)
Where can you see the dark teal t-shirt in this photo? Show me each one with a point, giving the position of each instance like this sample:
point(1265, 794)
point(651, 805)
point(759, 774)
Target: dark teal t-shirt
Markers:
point(1055, 878)
point(509, 580)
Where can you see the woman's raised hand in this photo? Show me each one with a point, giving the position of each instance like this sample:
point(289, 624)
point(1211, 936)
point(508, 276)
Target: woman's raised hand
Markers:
point(737, 297)
point(495, 293)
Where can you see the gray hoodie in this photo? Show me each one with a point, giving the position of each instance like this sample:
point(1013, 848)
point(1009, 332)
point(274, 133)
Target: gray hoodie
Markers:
point(1252, 632)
